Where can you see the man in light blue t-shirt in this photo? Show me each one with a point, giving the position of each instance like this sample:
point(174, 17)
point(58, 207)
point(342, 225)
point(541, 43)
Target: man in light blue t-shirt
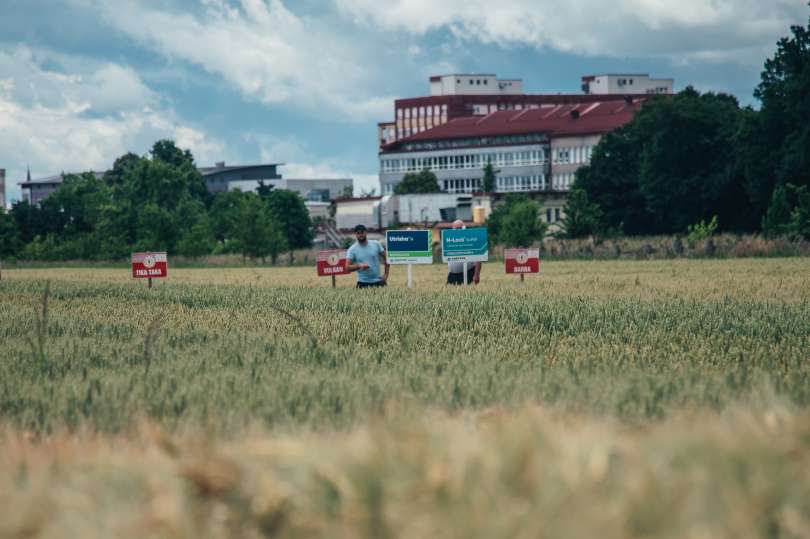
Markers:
point(364, 258)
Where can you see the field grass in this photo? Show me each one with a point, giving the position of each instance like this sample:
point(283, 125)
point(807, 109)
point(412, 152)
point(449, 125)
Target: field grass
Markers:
point(611, 399)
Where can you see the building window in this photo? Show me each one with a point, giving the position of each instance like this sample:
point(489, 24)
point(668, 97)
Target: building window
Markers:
point(557, 214)
point(548, 215)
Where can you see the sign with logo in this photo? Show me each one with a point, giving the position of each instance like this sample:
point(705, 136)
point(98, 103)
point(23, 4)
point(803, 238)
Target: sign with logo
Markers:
point(465, 245)
point(149, 265)
point(522, 260)
point(409, 247)
point(332, 262)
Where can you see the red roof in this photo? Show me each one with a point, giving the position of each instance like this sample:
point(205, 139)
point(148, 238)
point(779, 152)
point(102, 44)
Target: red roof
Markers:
point(554, 121)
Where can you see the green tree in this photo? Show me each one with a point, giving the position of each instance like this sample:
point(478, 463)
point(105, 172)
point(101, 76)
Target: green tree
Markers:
point(582, 217)
point(259, 233)
point(671, 166)
point(291, 212)
point(777, 148)
point(196, 237)
point(522, 225)
point(789, 212)
point(225, 214)
point(516, 222)
point(489, 178)
point(263, 190)
point(10, 243)
point(198, 240)
point(29, 222)
point(156, 229)
point(416, 183)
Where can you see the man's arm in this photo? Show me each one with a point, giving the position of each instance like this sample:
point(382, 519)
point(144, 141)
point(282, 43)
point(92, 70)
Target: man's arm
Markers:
point(354, 267)
point(387, 265)
point(351, 266)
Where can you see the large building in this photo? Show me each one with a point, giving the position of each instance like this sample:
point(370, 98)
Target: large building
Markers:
point(535, 142)
point(217, 179)
point(463, 95)
point(535, 149)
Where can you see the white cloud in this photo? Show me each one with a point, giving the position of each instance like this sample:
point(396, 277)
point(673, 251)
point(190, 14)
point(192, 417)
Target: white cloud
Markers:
point(54, 122)
point(707, 29)
point(261, 48)
point(98, 87)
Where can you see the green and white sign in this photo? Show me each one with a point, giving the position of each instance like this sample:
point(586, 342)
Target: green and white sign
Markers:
point(409, 247)
point(465, 245)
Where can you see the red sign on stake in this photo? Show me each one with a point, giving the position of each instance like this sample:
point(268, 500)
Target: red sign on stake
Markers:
point(332, 262)
point(149, 265)
point(522, 260)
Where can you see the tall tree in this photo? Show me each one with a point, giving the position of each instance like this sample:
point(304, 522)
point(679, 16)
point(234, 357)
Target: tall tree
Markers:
point(672, 166)
point(10, 242)
point(582, 217)
point(291, 212)
point(488, 182)
point(259, 233)
point(781, 141)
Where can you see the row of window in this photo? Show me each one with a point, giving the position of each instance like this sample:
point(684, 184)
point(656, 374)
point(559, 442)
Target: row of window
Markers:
point(562, 182)
point(500, 140)
point(576, 154)
point(422, 112)
point(465, 161)
point(506, 184)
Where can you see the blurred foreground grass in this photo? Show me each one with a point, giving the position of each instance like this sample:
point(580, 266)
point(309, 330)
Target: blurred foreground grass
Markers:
point(610, 399)
point(743, 473)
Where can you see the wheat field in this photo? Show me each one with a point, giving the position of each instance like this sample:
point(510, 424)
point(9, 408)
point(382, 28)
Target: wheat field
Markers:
point(610, 399)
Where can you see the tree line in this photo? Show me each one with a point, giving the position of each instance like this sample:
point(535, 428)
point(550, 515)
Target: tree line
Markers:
point(157, 202)
point(694, 157)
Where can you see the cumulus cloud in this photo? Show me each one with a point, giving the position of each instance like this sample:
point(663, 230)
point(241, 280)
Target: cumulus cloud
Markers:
point(260, 47)
point(97, 87)
point(54, 122)
point(718, 29)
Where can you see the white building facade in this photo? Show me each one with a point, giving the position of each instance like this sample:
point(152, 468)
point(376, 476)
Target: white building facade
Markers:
point(521, 167)
point(627, 83)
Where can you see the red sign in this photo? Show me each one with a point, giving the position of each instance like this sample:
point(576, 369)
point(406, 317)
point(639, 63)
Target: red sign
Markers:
point(149, 265)
point(522, 260)
point(332, 262)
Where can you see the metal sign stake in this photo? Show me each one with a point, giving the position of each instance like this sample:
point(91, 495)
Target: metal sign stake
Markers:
point(150, 282)
point(333, 281)
point(410, 275)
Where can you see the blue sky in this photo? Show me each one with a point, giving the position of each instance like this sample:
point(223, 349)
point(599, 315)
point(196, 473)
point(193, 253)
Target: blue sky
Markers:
point(304, 82)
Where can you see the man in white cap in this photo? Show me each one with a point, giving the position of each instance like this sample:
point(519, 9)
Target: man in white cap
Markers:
point(455, 273)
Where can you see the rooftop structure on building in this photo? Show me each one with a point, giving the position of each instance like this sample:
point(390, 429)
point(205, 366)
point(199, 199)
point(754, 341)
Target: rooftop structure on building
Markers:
point(625, 83)
point(472, 84)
